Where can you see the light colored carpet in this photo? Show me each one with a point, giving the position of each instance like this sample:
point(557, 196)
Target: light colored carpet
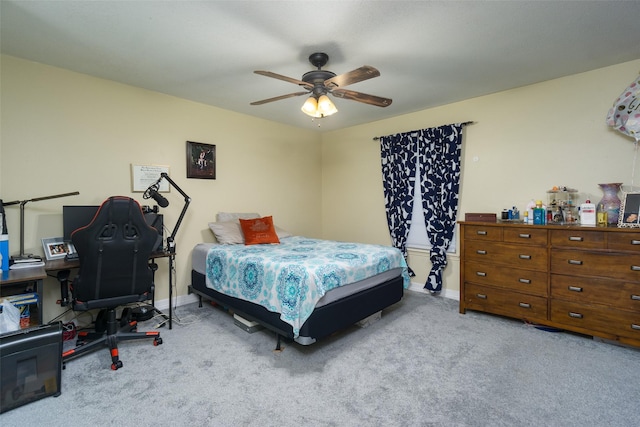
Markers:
point(422, 364)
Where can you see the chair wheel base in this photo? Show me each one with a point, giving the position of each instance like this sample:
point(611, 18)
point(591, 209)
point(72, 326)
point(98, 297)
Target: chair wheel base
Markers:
point(116, 366)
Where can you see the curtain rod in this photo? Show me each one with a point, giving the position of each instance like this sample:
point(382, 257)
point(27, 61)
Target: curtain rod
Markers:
point(376, 138)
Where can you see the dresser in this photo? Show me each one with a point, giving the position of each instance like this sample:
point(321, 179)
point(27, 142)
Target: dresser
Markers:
point(580, 279)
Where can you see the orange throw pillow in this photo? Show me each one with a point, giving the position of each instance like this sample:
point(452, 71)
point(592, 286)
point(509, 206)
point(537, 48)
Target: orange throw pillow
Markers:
point(259, 231)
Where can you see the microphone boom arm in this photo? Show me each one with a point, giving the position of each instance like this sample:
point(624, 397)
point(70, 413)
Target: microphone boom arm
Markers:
point(171, 239)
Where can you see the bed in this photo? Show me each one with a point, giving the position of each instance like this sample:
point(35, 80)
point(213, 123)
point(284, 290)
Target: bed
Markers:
point(302, 289)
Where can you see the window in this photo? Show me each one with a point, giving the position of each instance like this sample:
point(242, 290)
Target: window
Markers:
point(418, 237)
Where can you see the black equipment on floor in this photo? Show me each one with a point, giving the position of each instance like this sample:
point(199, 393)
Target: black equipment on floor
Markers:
point(31, 365)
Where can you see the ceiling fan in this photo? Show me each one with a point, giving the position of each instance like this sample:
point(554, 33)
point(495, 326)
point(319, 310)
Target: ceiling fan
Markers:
point(319, 83)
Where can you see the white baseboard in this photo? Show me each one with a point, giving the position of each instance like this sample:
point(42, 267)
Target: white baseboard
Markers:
point(419, 287)
point(163, 305)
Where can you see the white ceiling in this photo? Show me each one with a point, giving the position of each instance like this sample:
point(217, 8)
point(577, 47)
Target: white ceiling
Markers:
point(429, 53)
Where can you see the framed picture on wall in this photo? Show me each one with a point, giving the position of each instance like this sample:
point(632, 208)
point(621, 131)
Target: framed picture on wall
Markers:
point(56, 248)
point(201, 160)
point(630, 210)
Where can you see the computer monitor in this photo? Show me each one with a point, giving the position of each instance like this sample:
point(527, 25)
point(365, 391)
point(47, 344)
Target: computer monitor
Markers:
point(77, 216)
point(74, 217)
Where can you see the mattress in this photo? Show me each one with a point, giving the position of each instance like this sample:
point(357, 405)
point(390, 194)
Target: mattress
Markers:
point(199, 264)
point(298, 275)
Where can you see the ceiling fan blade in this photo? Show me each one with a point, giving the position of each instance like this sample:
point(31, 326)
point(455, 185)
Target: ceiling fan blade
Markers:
point(278, 98)
point(361, 97)
point(359, 74)
point(284, 78)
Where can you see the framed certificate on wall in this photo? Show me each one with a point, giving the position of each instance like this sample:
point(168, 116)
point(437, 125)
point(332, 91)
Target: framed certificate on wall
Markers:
point(143, 176)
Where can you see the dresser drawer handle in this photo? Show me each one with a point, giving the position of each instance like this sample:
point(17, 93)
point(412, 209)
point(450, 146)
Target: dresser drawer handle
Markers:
point(635, 297)
point(481, 233)
point(575, 239)
point(522, 256)
point(575, 262)
point(575, 315)
point(524, 305)
point(635, 267)
point(481, 296)
point(575, 288)
point(525, 281)
point(481, 252)
point(635, 327)
point(481, 274)
point(525, 236)
point(635, 242)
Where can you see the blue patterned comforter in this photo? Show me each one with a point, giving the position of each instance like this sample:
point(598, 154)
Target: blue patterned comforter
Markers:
point(291, 277)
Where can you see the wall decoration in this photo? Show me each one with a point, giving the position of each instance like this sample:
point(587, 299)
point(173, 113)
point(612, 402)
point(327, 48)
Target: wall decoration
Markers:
point(201, 160)
point(624, 115)
point(630, 210)
point(55, 248)
point(142, 176)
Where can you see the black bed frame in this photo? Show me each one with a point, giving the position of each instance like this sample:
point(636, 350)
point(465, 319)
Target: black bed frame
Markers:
point(324, 320)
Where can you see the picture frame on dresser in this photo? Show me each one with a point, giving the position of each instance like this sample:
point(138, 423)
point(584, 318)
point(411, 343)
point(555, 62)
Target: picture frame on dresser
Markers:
point(629, 211)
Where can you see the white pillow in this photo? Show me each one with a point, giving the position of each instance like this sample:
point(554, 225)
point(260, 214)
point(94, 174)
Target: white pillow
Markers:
point(282, 233)
point(227, 232)
point(231, 216)
point(230, 232)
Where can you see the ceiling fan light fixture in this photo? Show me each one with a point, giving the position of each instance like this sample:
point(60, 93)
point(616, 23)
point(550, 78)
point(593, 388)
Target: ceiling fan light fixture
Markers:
point(310, 107)
point(318, 83)
point(325, 106)
point(320, 107)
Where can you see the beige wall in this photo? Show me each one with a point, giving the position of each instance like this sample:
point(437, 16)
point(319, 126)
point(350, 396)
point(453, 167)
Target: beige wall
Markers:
point(524, 141)
point(64, 132)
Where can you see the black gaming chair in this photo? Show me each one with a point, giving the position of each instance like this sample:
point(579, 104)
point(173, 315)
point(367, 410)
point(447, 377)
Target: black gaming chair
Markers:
point(114, 271)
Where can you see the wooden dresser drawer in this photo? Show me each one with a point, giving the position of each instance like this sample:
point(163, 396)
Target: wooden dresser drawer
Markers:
point(596, 318)
point(624, 241)
point(578, 238)
point(526, 235)
point(505, 303)
point(582, 279)
point(518, 256)
point(612, 265)
point(515, 279)
point(592, 290)
point(482, 232)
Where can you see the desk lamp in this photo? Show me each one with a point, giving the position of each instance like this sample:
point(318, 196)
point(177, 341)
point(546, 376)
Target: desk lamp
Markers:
point(30, 257)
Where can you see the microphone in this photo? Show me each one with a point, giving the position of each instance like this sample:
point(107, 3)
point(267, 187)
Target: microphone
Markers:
point(159, 198)
point(152, 193)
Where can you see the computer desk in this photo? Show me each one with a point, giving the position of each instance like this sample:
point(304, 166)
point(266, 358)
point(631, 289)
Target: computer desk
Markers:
point(63, 264)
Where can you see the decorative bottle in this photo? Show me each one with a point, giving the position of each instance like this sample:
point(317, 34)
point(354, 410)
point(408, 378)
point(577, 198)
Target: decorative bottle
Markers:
point(602, 216)
point(539, 214)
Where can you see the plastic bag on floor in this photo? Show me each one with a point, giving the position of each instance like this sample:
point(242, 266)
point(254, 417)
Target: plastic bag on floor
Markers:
point(9, 318)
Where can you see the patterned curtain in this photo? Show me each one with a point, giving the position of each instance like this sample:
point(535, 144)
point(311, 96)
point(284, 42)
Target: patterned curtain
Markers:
point(399, 155)
point(437, 151)
point(439, 156)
